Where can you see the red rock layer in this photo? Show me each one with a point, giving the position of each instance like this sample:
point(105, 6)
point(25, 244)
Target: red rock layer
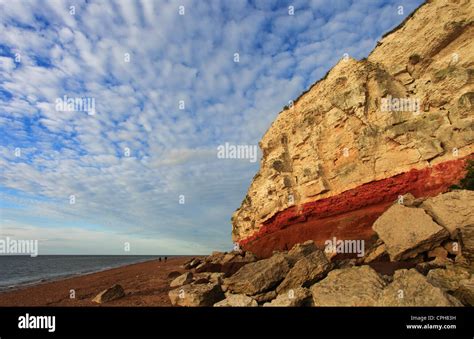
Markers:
point(349, 215)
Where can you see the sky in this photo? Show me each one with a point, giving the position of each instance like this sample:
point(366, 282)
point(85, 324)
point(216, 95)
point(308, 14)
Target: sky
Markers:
point(169, 81)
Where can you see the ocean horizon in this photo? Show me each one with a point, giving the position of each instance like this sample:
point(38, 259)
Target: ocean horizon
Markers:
point(24, 270)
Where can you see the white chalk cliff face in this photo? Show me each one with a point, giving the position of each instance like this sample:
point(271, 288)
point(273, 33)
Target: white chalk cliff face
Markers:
point(400, 121)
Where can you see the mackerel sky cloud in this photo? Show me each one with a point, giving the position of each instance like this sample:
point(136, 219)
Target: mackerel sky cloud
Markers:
point(167, 93)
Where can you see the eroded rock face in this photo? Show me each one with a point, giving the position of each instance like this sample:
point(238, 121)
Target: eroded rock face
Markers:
point(339, 157)
point(407, 231)
point(355, 286)
point(196, 295)
point(410, 288)
point(258, 277)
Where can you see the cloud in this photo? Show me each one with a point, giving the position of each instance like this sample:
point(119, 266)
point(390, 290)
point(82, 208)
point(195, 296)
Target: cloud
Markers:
point(128, 164)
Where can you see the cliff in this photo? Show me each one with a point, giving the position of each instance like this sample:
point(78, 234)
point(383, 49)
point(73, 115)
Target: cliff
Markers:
point(397, 122)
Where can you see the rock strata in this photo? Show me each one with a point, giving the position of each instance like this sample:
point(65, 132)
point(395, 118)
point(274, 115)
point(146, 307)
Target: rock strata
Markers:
point(396, 124)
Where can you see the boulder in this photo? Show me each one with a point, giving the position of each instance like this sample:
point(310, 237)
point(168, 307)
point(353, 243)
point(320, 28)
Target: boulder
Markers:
point(300, 250)
point(438, 252)
point(453, 210)
point(236, 300)
point(465, 292)
point(291, 298)
point(112, 293)
point(265, 297)
point(453, 247)
point(173, 274)
point(355, 286)
point(410, 288)
point(306, 271)
point(183, 279)
point(194, 262)
point(467, 238)
point(259, 276)
point(407, 231)
point(196, 295)
point(216, 277)
point(425, 267)
point(375, 253)
point(448, 279)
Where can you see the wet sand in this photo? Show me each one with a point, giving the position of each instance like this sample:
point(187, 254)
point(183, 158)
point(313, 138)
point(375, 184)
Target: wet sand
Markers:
point(145, 284)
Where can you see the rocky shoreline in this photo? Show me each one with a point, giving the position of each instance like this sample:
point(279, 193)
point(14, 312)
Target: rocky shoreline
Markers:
point(422, 255)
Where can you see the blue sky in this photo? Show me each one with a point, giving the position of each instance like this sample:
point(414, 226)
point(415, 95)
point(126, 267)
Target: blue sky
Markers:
point(47, 51)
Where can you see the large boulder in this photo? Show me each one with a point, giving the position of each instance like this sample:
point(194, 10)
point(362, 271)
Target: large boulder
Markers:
point(259, 276)
point(453, 210)
point(301, 250)
point(292, 298)
point(193, 263)
point(236, 300)
point(410, 288)
point(467, 239)
point(407, 231)
point(465, 292)
point(448, 279)
point(227, 263)
point(355, 286)
point(306, 271)
point(183, 279)
point(109, 294)
point(265, 297)
point(196, 295)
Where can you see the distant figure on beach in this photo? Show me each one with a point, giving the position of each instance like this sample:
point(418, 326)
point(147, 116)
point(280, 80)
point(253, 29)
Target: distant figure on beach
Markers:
point(166, 258)
point(159, 259)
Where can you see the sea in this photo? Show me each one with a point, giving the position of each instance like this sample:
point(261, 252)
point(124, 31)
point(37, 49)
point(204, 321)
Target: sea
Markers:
point(21, 270)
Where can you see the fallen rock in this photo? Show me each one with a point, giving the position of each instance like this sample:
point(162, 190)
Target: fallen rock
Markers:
point(375, 254)
point(216, 277)
point(452, 210)
point(259, 276)
point(438, 252)
point(410, 288)
point(173, 274)
point(201, 281)
point(300, 250)
point(306, 271)
point(465, 292)
point(112, 293)
point(453, 247)
point(183, 279)
point(236, 300)
point(192, 263)
point(292, 298)
point(425, 267)
point(448, 279)
point(196, 295)
point(355, 286)
point(407, 231)
point(409, 200)
point(265, 297)
point(467, 238)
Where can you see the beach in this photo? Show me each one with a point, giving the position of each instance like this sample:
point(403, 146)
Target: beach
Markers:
point(145, 284)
